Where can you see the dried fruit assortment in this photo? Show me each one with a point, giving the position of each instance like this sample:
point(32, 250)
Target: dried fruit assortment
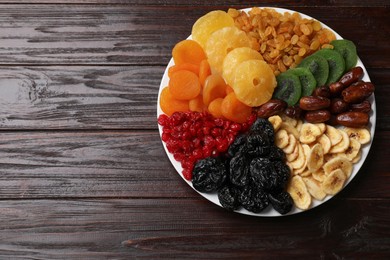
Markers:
point(265, 110)
point(253, 174)
point(191, 136)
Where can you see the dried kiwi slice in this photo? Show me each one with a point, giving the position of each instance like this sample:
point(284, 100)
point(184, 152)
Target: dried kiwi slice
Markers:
point(288, 88)
point(308, 82)
point(318, 66)
point(347, 49)
point(336, 64)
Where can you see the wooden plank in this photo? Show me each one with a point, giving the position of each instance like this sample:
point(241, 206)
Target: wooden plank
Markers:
point(343, 3)
point(79, 97)
point(185, 228)
point(134, 34)
point(103, 97)
point(126, 164)
point(99, 164)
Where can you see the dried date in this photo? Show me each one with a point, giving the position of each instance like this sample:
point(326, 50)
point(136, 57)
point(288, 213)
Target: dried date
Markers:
point(364, 107)
point(353, 119)
point(358, 92)
point(317, 116)
point(322, 91)
point(313, 103)
point(293, 112)
point(337, 106)
point(336, 88)
point(270, 108)
point(352, 76)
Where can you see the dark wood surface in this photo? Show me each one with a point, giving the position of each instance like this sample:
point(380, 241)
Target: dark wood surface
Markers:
point(83, 174)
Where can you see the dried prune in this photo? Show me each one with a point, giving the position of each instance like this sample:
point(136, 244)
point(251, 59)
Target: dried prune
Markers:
point(262, 125)
point(237, 145)
point(209, 174)
point(228, 197)
point(253, 199)
point(281, 202)
point(257, 144)
point(239, 171)
point(260, 171)
point(281, 175)
point(276, 154)
point(270, 178)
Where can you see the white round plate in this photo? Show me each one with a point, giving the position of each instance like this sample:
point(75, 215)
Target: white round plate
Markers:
point(269, 211)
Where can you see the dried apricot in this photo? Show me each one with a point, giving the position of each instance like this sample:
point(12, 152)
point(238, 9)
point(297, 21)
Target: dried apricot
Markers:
point(204, 71)
point(184, 85)
point(215, 87)
point(234, 110)
point(196, 104)
point(229, 89)
point(183, 66)
point(215, 108)
point(188, 51)
point(169, 104)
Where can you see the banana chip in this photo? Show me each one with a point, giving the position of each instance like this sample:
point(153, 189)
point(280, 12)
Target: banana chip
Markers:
point(314, 188)
point(316, 158)
point(342, 145)
point(320, 156)
point(281, 138)
point(299, 193)
point(362, 135)
point(352, 150)
point(292, 142)
point(309, 133)
point(333, 134)
point(300, 160)
point(292, 156)
point(276, 122)
point(325, 143)
point(334, 182)
point(341, 163)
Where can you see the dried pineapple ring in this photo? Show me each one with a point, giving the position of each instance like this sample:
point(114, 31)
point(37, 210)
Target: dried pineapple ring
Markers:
point(254, 82)
point(234, 58)
point(221, 42)
point(209, 23)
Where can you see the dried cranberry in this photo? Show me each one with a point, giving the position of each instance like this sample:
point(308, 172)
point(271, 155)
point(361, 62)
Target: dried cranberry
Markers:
point(215, 132)
point(235, 127)
point(192, 136)
point(165, 137)
point(163, 120)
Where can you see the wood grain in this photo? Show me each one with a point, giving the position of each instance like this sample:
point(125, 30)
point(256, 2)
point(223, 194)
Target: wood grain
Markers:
point(193, 3)
point(144, 228)
point(77, 97)
point(126, 164)
point(83, 174)
point(134, 34)
point(103, 97)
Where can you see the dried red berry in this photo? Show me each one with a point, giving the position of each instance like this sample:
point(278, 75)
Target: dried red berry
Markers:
point(191, 136)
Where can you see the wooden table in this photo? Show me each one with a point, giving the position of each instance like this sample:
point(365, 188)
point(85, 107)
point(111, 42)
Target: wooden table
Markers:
point(83, 173)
